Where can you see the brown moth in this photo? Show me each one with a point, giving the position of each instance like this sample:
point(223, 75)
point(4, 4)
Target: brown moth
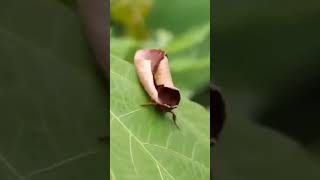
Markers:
point(152, 66)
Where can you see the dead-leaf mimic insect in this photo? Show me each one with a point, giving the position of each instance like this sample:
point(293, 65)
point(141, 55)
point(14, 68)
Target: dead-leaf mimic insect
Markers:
point(152, 66)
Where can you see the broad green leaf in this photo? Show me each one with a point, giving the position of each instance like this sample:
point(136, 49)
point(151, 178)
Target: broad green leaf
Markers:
point(247, 151)
point(179, 15)
point(160, 39)
point(190, 73)
point(189, 38)
point(52, 97)
point(145, 144)
point(122, 46)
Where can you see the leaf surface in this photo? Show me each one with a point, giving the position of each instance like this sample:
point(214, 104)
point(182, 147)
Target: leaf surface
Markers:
point(52, 97)
point(145, 144)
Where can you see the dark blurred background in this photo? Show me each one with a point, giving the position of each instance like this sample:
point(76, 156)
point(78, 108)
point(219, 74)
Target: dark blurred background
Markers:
point(53, 93)
point(266, 61)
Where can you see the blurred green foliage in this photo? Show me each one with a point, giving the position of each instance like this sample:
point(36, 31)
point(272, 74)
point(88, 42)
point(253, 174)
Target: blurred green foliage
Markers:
point(131, 14)
point(257, 45)
point(52, 95)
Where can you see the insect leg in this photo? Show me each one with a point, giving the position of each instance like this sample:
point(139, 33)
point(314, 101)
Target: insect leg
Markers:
point(174, 117)
point(149, 104)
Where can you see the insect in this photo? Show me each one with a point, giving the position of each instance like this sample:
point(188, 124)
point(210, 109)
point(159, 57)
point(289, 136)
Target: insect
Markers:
point(152, 66)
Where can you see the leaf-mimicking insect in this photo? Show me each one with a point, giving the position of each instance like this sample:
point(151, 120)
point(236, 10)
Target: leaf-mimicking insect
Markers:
point(152, 66)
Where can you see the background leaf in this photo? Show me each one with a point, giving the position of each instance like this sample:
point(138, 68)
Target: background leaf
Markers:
point(191, 38)
point(123, 46)
point(257, 49)
point(53, 96)
point(145, 144)
point(177, 16)
point(190, 73)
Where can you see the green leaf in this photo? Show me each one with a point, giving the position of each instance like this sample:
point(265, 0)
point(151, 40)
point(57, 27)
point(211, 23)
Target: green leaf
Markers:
point(190, 38)
point(178, 15)
point(122, 46)
point(53, 98)
point(249, 152)
point(190, 73)
point(145, 144)
point(160, 39)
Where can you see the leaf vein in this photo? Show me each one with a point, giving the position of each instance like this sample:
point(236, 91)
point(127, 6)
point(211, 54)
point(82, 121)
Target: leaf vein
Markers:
point(147, 151)
point(131, 153)
point(160, 172)
point(61, 163)
point(126, 114)
point(12, 169)
point(178, 154)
